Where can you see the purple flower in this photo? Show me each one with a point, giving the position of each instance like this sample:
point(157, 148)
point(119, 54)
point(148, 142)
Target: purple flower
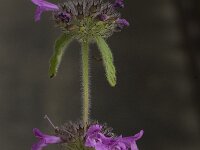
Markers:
point(97, 140)
point(119, 4)
point(118, 146)
point(103, 17)
point(126, 143)
point(44, 140)
point(122, 22)
point(42, 6)
point(94, 129)
point(64, 17)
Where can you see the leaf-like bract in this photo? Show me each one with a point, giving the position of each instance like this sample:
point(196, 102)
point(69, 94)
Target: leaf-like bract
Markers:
point(60, 45)
point(107, 60)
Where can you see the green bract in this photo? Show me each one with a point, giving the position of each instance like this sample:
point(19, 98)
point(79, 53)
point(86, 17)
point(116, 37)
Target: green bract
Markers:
point(107, 60)
point(60, 45)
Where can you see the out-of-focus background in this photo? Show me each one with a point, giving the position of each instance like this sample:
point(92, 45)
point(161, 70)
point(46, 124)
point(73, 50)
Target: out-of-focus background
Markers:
point(158, 68)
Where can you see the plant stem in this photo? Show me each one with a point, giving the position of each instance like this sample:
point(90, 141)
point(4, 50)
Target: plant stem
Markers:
point(85, 82)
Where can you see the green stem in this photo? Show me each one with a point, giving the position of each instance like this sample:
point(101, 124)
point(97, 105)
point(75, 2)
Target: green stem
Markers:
point(85, 82)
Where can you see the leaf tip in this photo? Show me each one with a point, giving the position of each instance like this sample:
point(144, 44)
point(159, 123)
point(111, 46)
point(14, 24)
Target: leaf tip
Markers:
point(51, 75)
point(112, 82)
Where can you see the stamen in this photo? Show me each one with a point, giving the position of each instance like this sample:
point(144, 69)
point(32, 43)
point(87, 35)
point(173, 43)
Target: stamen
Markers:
point(55, 127)
point(46, 117)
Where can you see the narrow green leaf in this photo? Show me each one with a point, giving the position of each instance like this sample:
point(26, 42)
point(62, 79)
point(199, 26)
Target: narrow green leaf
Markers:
point(60, 45)
point(107, 60)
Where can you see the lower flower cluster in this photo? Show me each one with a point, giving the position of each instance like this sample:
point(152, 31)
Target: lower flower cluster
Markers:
point(97, 137)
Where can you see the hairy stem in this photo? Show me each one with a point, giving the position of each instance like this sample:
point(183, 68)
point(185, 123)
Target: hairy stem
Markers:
point(85, 82)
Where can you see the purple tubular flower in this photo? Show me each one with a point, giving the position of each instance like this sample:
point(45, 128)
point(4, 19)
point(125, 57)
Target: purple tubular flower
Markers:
point(44, 140)
point(126, 143)
point(103, 17)
point(121, 23)
point(118, 146)
point(42, 6)
point(65, 17)
point(119, 4)
point(97, 140)
point(94, 129)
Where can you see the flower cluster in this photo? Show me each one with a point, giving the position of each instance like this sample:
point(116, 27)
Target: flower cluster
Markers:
point(84, 19)
point(69, 135)
point(97, 137)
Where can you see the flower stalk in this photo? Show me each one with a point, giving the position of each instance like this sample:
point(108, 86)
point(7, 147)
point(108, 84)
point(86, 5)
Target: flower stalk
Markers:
point(85, 82)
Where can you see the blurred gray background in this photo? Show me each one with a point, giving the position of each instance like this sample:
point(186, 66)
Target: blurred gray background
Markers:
point(158, 68)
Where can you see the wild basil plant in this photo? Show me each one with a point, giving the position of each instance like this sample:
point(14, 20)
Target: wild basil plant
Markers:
point(88, 21)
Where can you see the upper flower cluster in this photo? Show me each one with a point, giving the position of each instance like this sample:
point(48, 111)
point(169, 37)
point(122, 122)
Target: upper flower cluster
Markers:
point(85, 19)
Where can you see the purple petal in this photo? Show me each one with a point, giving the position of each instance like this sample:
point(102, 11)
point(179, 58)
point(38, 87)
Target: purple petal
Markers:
point(119, 4)
point(98, 141)
point(122, 22)
point(52, 139)
point(134, 146)
point(43, 3)
point(38, 133)
point(135, 137)
point(130, 142)
point(103, 17)
point(38, 13)
point(119, 145)
point(43, 6)
point(39, 145)
point(44, 140)
point(66, 17)
point(101, 147)
point(138, 135)
point(95, 139)
point(48, 139)
point(94, 129)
